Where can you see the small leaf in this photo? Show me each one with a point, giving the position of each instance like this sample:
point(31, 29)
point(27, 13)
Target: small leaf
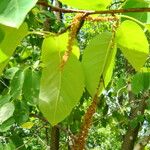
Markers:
point(6, 111)
point(140, 82)
point(17, 84)
point(13, 12)
point(4, 99)
point(31, 86)
point(87, 4)
point(133, 43)
point(9, 73)
point(7, 124)
point(21, 113)
point(27, 125)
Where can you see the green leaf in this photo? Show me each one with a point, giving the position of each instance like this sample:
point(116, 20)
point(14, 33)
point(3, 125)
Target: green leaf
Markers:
point(136, 83)
point(142, 16)
point(9, 73)
point(11, 40)
point(60, 89)
point(146, 80)
point(4, 99)
point(108, 68)
point(140, 82)
point(21, 113)
point(27, 125)
point(13, 12)
point(6, 111)
point(87, 4)
point(7, 124)
point(31, 86)
point(98, 61)
point(133, 43)
point(17, 84)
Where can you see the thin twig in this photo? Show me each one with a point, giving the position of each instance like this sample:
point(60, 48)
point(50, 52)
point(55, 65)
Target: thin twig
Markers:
point(89, 12)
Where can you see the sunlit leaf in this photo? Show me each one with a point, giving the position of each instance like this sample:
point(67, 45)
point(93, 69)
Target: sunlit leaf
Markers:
point(87, 4)
point(133, 43)
point(6, 111)
point(27, 125)
point(13, 12)
point(98, 61)
point(60, 89)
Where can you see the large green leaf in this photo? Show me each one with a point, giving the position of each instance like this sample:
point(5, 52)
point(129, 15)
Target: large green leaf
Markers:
point(60, 89)
point(13, 12)
point(87, 4)
point(12, 38)
point(98, 61)
point(142, 16)
point(6, 111)
point(133, 43)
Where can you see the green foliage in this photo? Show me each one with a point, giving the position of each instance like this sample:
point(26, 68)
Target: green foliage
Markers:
point(13, 12)
point(133, 42)
point(87, 4)
point(60, 89)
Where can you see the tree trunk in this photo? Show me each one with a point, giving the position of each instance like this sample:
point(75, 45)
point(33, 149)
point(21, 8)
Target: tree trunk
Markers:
point(132, 133)
point(54, 138)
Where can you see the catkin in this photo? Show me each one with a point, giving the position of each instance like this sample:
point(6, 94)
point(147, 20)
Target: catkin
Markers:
point(75, 25)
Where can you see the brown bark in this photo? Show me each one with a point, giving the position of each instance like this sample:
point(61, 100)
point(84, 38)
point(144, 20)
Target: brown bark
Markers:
point(90, 12)
point(54, 138)
point(58, 14)
point(132, 133)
